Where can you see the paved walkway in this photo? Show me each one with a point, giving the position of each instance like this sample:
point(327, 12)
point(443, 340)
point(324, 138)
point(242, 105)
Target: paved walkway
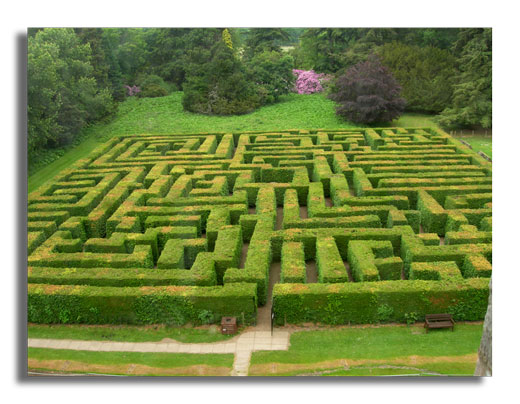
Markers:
point(241, 347)
point(257, 338)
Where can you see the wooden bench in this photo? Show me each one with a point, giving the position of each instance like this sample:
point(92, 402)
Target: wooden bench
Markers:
point(438, 321)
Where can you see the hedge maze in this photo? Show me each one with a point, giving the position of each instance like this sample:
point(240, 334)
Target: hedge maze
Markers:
point(365, 225)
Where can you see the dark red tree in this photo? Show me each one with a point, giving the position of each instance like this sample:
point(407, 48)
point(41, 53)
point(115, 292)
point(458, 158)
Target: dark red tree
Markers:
point(368, 93)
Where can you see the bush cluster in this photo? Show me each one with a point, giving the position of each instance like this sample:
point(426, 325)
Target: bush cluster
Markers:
point(226, 85)
point(310, 82)
point(368, 93)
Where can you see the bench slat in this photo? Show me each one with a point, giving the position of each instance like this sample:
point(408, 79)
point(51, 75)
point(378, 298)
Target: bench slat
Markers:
point(441, 320)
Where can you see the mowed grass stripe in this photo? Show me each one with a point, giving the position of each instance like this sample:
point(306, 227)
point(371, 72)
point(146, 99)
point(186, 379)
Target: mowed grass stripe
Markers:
point(125, 333)
point(136, 363)
point(375, 343)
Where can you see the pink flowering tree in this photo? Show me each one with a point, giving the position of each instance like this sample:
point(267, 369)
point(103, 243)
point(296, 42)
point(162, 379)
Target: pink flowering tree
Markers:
point(309, 82)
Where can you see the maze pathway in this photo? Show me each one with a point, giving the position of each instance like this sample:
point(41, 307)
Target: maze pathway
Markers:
point(359, 225)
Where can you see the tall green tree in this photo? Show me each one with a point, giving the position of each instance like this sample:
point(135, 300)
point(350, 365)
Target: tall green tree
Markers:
point(43, 96)
point(220, 86)
point(111, 40)
point(364, 46)
point(63, 95)
point(426, 74)
point(98, 60)
point(259, 40)
point(322, 47)
point(272, 73)
point(173, 50)
point(472, 94)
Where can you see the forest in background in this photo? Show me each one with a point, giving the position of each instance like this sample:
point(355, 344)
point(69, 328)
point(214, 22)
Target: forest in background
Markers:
point(77, 77)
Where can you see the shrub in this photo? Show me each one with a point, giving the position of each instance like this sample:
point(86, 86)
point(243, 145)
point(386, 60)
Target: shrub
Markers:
point(153, 91)
point(151, 85)
point(309, 82)
point(271, 71)
point(368, 93)
point(220, 87)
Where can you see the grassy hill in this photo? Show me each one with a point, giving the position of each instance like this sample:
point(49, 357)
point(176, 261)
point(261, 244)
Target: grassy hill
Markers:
point(165, 115)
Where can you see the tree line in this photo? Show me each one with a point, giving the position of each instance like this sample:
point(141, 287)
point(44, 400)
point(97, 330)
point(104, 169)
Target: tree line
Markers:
point(78, 76)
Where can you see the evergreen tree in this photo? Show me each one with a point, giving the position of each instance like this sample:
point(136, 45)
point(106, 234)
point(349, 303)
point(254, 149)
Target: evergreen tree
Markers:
point(259, 40)
point(219, 87)
point(171, 51)
point(473, 89)
point(322, 47)
point(425, 73)
point(272, 73)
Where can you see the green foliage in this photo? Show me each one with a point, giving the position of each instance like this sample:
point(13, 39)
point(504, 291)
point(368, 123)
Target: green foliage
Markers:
point(425, 74)
point(332, 50)
point(63, 95)
point(411, 318)
point(206, 317)
point(259, 40)
point(371, 302)
point(384, 313)
point(473, 89)
point(368, 39)
point(172, 51)
point(226, 37)
point(272, 72)
point(173, 305)
point(152, 85)
point(321, 48)
point(220, 87)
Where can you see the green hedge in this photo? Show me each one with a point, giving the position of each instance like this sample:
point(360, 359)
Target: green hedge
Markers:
point(140, 305)
point(372, 302)
point(293, 263)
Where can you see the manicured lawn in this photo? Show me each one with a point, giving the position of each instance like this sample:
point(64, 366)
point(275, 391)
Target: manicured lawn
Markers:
point(479, 143)
point(414, 120)
point(136, 363)
point(125, 333)
point(440, 351)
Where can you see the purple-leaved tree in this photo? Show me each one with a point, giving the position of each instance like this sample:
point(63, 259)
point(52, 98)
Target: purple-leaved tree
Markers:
point(368, 93)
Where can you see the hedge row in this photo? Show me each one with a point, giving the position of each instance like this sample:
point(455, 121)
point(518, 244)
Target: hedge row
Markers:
point(372, 302)
point(140, 305)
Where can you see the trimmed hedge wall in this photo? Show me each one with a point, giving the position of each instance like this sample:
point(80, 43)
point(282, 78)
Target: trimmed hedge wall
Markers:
point(147, 227)
point(140, 305)
point(372, 302)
